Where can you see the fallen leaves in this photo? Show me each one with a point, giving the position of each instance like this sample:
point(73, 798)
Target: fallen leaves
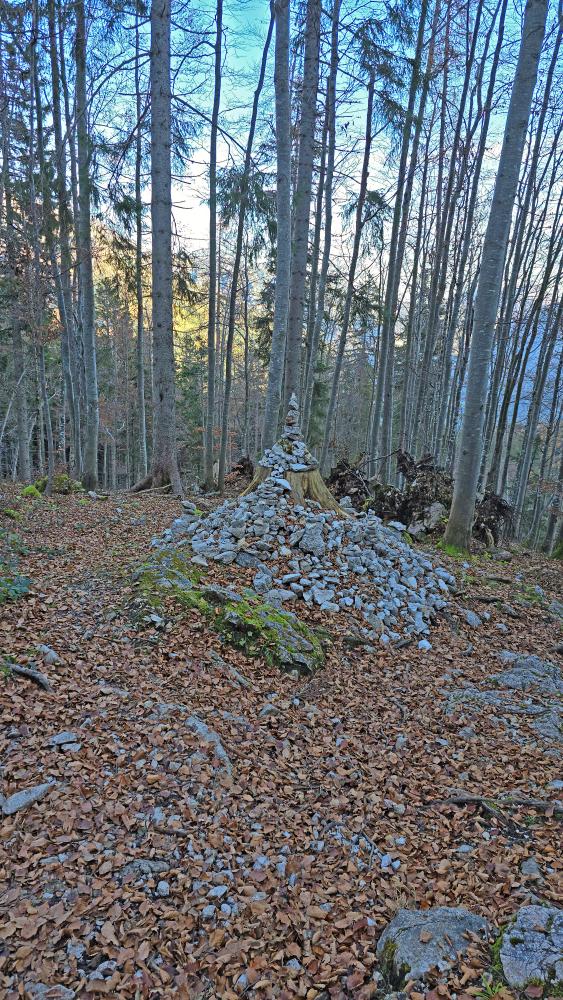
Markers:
point(297, 832)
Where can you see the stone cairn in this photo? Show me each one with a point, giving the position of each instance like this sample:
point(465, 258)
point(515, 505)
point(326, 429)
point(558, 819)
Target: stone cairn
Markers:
point(304, 546)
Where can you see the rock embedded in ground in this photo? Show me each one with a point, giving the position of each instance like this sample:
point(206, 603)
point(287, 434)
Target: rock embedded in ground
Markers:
point(59, 739)
point(44, 991)
point(529, 671)
point(531, 951)
point(21, 800)
point(418, 942)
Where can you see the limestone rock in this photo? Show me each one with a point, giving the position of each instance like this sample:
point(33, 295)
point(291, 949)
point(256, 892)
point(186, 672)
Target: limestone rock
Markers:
point(42, 991)
point(530, 671)
point(59, 739)
point(418, 941)
point(433, 515)
point(532, 948)
point(21, 800)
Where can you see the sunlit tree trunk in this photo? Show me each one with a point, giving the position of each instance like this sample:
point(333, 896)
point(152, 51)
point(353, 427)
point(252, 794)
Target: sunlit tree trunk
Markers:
point(164, 468)
point(84, 251)
point(212, 300)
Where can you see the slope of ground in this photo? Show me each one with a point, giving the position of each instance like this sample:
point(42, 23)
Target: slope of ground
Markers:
point(215, 828)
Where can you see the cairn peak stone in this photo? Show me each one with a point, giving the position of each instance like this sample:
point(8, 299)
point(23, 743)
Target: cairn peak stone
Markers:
point(290, 453)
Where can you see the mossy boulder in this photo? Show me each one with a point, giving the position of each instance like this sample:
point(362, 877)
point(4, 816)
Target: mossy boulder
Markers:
point(62, 483)
point(244, 621)
point(31, 491)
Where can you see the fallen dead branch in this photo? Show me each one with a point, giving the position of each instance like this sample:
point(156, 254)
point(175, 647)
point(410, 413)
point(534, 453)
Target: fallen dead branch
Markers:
point(506, 801)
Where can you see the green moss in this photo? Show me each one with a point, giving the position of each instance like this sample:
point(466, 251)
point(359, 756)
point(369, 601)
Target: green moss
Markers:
point(453, 551)
point(12, 584)
point(13, 515)
point(395, 976)
point(558, 551)
point(62, 483)
point(31, 491)
point(249, 624)
point(496, 964)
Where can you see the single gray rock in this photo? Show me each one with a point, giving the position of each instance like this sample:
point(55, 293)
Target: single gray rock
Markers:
point(312, 540)
point(433, 515)
point(530, 867)
point(532, 947)
point(163, 888)
point(145, 866)
point(407, 957)
point(60, 739)
point(21, 800)
point(42, 991)
point(471, 618)
point(50, 657)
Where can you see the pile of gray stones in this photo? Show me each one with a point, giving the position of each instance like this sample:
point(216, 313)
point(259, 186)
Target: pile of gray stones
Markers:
point(301, 552)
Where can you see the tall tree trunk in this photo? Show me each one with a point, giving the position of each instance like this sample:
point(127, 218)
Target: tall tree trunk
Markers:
point(236, 263)
point(18, 354)
point(397, 245)
point(302, 207)
point(551, 432)
point(141, 413)
point(64, 280)
point(329, 178)
point(458, 529)
point(164, 468)
point(212, 302)
point(351, 273)
point(84, 250)
point(555, 514)
point(283, 216)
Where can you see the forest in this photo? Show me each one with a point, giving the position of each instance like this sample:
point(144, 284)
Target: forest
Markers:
point(281, 515)
point(361, 206)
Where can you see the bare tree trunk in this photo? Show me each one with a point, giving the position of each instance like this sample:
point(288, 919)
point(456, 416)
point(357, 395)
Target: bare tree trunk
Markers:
point(553, 327)
point(555, 515)
point(397, 245)
point(164, 468)
point(237, 260)
point(84, 249)
point(283, 214)
point(302, 206)
point(64, 285)
point(20, 382)
point(351, 273)
point(458, 530)
point(550, 440)
point(141, 414)
point(212, 302)
point(331, 148)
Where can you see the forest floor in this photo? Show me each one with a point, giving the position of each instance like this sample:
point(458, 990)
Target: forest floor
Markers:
point(285, 862)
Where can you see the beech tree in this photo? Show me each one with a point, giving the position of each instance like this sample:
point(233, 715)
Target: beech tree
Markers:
point(458, 530)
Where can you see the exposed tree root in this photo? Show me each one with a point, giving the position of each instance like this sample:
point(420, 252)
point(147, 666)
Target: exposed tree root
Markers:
point(32, 675)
